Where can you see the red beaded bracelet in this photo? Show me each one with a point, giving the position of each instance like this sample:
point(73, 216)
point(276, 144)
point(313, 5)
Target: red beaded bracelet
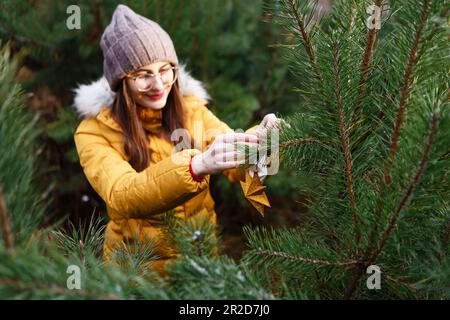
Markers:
point(194, 176)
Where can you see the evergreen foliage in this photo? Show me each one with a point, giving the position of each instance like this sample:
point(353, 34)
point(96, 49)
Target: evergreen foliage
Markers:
point(373, 135)
point(370, 138)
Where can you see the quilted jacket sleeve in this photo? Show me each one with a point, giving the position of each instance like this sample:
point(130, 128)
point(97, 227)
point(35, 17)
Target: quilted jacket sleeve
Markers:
point(213, 127)
point(160, 187)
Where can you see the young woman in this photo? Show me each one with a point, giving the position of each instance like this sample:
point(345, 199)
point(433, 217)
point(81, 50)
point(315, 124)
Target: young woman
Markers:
point(126, 140)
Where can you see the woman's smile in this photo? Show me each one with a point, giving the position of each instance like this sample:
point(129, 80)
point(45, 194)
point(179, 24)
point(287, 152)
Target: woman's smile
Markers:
point(156, 96)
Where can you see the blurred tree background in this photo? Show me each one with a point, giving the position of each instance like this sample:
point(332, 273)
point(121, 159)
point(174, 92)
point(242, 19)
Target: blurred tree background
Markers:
point(230, 45)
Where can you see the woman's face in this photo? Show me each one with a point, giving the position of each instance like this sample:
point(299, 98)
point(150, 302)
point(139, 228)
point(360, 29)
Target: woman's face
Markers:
point(156, 97)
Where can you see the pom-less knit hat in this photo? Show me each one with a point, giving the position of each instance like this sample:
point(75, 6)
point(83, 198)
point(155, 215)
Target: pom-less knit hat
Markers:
point(132, 41)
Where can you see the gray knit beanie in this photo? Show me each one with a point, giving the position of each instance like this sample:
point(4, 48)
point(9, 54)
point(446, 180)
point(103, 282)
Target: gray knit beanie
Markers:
point(132, 41)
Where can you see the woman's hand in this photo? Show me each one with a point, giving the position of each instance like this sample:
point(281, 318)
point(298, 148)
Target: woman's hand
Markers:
point(269, 121)
point(222, 154)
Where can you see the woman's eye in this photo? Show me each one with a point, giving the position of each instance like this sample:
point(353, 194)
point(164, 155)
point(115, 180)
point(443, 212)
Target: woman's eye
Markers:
point(145, 76)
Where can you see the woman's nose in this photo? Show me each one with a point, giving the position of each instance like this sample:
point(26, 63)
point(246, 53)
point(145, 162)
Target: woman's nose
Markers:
point(157, 84)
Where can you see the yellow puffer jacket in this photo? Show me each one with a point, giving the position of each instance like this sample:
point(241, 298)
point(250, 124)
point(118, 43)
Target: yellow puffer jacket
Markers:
point(136, 201)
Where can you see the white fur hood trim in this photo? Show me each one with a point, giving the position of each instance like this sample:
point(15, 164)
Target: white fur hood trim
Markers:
point(90, 98)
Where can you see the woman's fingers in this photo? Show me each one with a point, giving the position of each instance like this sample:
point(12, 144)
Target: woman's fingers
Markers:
point(225, 165)
point(238, 137)
point(224, 147)
point(270, 121)
point(266, 119)
point(228, 156)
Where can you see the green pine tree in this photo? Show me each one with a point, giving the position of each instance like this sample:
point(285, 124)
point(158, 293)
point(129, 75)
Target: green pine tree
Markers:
point(373, 136)
point(18, 160)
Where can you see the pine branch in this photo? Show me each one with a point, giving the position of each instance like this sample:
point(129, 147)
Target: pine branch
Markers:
point(278, 254)
point(85, 238)
point(404, 94)
point(445, 241)
point(381, 113)
point(401, 283)
point(406, 89)
point(343, 132)
point(368, 52)
point(375, 124)
point(6, 226)
point(412, 186)
point(379, 208)
point(301, 27)
point(403, 203)
point(304, 141)
point(54, 290)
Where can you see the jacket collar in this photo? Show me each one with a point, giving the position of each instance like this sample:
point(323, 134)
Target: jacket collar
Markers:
point(95, 99)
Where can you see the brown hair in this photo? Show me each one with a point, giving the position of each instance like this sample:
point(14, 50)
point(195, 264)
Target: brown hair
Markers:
point(124, 111)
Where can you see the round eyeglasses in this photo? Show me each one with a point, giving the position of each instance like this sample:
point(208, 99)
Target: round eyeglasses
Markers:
point(144, 81)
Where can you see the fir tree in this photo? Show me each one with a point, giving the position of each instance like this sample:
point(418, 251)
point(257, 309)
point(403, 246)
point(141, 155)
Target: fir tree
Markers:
point(19, 153)
point(373, 135)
